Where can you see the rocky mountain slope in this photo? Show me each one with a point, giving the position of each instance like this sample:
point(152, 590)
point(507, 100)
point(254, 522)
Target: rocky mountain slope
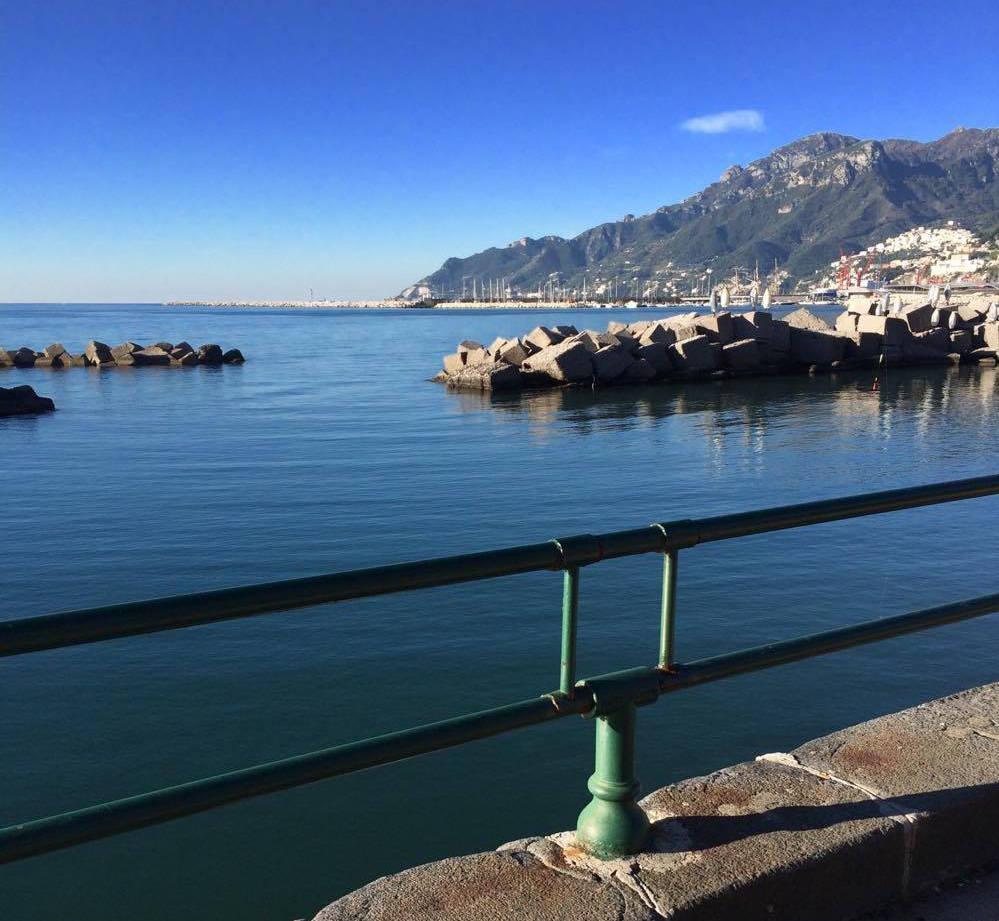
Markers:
point(798, 206)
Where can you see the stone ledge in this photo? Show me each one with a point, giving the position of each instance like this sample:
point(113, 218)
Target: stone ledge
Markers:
point(843, 825)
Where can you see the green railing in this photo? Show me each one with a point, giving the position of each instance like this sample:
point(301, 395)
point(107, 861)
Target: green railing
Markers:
point(612, 824)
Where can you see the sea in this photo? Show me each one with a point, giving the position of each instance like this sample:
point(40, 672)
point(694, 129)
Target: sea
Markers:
point(330, 449)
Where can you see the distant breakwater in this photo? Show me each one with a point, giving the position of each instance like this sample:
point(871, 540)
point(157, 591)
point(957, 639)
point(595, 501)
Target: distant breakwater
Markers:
point(127, 354)
point(695, 346)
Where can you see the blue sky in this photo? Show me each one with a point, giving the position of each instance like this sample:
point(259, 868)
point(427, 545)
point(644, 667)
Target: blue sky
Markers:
point(165, 150)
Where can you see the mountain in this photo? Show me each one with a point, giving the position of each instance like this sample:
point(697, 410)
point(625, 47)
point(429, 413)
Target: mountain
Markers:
point(799, 205)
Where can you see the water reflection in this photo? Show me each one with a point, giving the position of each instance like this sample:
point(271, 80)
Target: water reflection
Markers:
point(757, 408)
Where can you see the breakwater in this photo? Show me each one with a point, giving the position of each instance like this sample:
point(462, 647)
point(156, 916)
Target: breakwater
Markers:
point(127, 354)
point(698, 346)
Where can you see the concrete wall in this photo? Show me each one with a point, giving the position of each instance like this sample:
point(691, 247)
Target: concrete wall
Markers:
point(842, 825)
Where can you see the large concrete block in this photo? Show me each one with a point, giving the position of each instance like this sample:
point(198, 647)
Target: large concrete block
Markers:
point(639, 371)
point(541, 337)
point(717, 327)
point(742, 355)
point(811, 347)
point(657, 355)
point(513, 353)
point(861, 304)
point(610, 362)
point(452, 363)
point(658, 333)
point(846, 323)
point(918, 317)
point(803, 318)
point(486, 377)
point(893, 330)
point(961, 341)
point(990, 335)
point(693, 355)
point(568, 362)
point(756, 324)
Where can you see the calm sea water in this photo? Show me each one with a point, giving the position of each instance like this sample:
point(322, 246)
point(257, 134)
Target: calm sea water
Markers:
point(328, 450)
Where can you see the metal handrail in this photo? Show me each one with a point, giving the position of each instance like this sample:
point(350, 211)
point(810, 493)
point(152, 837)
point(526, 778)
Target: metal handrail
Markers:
point(612, 824)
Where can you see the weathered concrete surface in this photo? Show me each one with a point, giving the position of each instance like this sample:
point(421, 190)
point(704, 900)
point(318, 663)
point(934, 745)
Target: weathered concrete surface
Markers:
point(846, 824)
point(973, 899)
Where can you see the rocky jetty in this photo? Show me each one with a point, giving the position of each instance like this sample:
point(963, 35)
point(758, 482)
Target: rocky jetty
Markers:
point(698, 346)
point(127, 355)
point(23, 401)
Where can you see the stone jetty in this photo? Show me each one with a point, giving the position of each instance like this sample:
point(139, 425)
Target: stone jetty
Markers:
point(23, 401)
point(126, 355)
point(693, 346)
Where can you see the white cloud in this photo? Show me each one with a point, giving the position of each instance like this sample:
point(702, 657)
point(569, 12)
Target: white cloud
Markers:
point(722, 122)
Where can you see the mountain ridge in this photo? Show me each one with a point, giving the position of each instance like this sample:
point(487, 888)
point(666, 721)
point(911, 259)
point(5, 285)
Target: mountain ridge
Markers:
point(797, 205)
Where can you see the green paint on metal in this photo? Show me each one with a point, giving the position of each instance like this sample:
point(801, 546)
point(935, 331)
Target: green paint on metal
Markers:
point(667, 630)
point(613, 824)
point(570, 616)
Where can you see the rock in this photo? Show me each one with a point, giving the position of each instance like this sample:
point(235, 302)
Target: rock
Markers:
point(182, 347)
point(658, 332)
point(157, 356)
point(453, 363)
point(486, 377)
point(54, 350)
point(65, 360)
point(468, 345)
point(209, 354)
point(541, 337)
point(513, 353)
point(23, 401)
point(893, 330)
point(757, 324)
point(564, 362)
point(960, 341)
point(968, 315)
point(918, 317)
point(184, 359)
point(741, 355)
point(124, 359)
point(656, 355)
point(166, 346)
point(6, 358)
point(681, 331)
point(589, 341)
point(718, 327)
point(990, 335)
point(916, 351)
point(566, 331)
point(810, 346)
point(233, 357)
point(98, 354)
point(125, 350)
point(24, 358)
point(640, 371)
point(42, 362)
point(861, 304)
point(615, 327)
point(803, 318)
point(693, 355)
point(630, 343)
point(476, 357)
point(846, 323)
point(938, 339)
point(610, 362)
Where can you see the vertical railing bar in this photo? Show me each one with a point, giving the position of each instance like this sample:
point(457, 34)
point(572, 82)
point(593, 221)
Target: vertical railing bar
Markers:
point(667, 631)
point(570, 612)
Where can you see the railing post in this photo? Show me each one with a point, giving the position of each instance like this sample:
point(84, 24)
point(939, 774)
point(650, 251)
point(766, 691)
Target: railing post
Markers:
point(667, 632)
point(570, 612)
point(612, 824)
